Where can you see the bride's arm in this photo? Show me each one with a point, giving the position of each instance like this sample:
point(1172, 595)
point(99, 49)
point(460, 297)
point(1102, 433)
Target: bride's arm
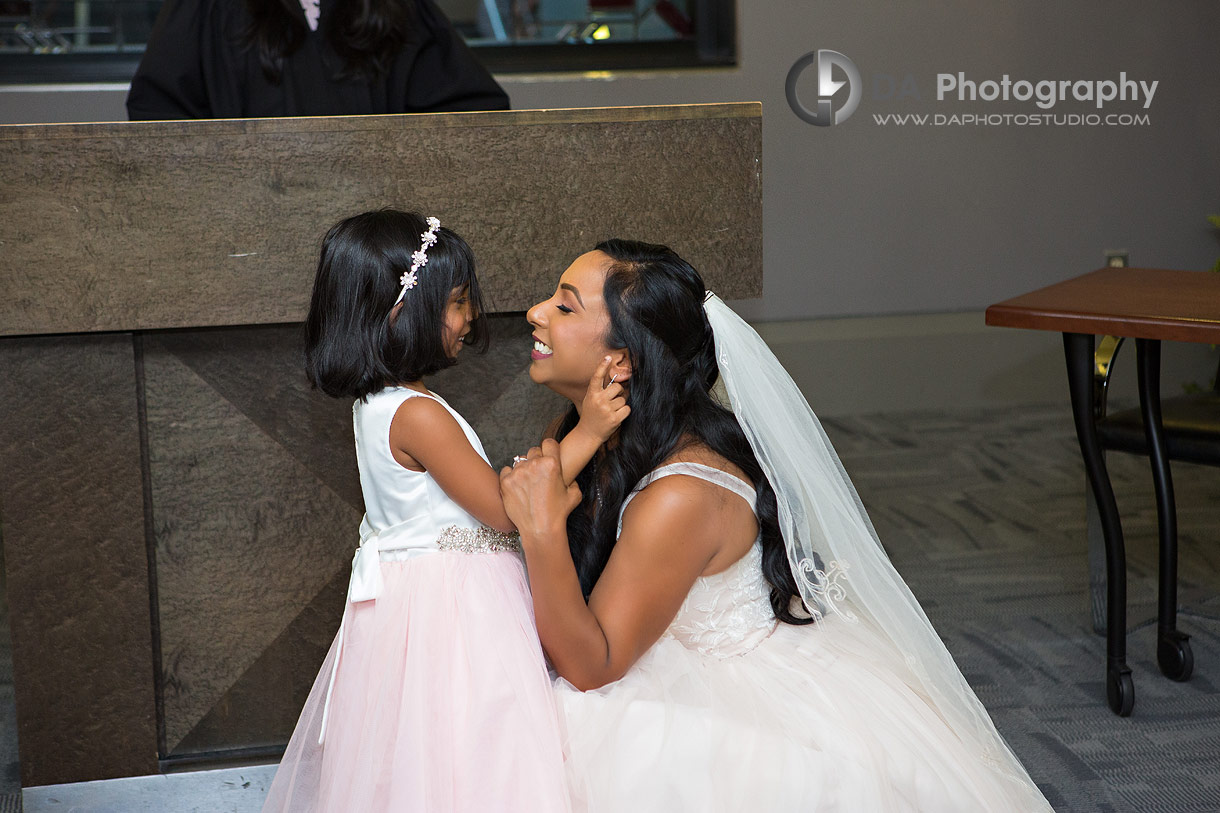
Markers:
point(670, 533)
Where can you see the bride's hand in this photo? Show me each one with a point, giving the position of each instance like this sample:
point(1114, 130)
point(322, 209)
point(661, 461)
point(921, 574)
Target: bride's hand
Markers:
point(534, 495)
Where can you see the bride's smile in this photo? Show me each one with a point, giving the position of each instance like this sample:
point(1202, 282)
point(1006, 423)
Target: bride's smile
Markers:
point(570, 328)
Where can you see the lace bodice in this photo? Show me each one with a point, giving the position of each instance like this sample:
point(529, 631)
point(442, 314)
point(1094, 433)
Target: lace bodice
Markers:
point(728, 613)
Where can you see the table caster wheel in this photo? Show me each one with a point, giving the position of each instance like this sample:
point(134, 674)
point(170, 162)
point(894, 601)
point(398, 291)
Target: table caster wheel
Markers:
point(1174, 655)
point(1120, 691)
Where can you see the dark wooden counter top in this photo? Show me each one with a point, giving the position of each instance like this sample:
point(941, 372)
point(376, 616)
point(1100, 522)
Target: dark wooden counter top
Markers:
point(147, 225)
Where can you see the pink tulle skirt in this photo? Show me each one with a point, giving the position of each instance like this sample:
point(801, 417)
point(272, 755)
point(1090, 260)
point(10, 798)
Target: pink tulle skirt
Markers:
point(441, 701)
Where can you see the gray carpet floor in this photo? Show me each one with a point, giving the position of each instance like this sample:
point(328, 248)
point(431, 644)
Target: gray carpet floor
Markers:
point(983, 514)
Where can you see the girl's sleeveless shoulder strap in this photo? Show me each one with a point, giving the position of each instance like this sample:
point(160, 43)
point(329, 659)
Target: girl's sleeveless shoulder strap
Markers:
point(409, 393)
point(397, 396)
point(467, 429)
point(388, 400)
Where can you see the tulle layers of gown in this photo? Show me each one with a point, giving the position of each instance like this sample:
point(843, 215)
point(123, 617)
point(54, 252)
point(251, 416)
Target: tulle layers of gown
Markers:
point(811, 719)
point(441, 703)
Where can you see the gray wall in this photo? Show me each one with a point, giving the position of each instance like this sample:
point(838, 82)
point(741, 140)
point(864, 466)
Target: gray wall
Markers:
point(868, 219)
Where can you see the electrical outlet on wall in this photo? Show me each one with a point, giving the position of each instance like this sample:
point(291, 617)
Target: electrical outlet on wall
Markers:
point(1116, 258)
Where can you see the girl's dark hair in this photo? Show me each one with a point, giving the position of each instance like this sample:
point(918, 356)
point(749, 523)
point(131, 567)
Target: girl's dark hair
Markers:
point(655, 302)
point(366, 34)
point(354, 344)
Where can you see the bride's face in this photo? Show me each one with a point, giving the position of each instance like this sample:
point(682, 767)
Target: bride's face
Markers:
point(570, 328)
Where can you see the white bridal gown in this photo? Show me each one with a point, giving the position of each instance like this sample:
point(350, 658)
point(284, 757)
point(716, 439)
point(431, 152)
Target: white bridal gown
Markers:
point(732, 711)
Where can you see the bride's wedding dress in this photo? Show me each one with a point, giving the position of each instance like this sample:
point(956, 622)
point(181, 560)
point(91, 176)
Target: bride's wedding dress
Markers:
point(732, 711)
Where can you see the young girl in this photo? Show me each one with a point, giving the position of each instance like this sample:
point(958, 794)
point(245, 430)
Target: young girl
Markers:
point(434, 696)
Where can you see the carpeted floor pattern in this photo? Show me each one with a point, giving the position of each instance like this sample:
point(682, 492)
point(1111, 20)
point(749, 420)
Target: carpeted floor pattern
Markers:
point(983, 514)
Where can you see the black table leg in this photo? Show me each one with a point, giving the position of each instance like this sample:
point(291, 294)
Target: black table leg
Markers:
point(1173, 648)
point(1120, 690)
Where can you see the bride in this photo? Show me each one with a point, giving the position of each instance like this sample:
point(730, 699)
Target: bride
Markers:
point(728, 633)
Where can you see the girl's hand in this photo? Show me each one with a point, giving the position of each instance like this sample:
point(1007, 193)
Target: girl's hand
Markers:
point(535, 497)
point(604, 406)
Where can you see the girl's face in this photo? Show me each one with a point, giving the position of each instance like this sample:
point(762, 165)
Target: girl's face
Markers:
point(570, 329)
point(458, 316)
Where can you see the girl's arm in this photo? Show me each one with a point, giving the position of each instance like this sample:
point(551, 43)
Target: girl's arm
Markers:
point(426, 432)
point(671, 530)
point(604, 407)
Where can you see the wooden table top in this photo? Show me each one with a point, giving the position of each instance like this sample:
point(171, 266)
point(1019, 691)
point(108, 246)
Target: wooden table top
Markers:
point(1141, 303)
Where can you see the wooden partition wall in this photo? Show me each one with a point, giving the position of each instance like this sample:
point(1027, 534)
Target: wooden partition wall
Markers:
point(178, 509)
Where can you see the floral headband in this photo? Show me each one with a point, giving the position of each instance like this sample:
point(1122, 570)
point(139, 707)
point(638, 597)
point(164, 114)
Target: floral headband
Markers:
point(419, 259)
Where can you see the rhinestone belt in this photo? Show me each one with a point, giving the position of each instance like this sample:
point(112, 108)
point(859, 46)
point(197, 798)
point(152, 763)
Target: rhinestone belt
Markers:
point(478, 540)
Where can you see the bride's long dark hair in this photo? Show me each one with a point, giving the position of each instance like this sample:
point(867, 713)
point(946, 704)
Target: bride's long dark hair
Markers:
point(655, 302)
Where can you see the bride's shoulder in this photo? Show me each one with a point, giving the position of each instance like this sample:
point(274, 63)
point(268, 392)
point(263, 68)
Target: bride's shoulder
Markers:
point(696, 509)
point(692, 495)
point(668, 508)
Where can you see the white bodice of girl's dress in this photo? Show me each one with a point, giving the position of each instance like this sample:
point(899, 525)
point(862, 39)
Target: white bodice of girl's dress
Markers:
point(406, 513)
point(405, 508)
point(727, 613)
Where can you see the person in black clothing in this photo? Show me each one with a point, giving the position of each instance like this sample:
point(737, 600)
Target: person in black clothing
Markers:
point(255, 58)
